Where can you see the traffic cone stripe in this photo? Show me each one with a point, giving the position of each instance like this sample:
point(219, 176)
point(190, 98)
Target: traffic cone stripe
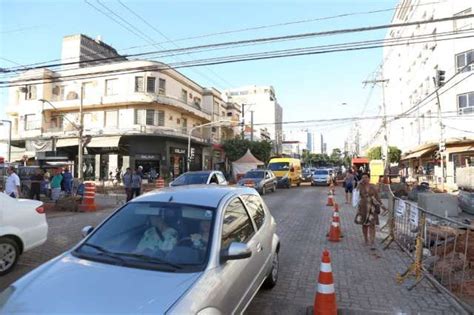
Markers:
point(335, 224)
point(326, 288)
point(336, 214)
point(326, 267)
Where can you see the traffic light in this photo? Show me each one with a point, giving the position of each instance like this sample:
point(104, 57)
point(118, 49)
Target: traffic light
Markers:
point(440, 78)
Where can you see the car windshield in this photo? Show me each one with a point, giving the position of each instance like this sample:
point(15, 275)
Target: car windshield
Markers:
point(254, 175)
point(191, 179)
point(279, 166)
point(153, 235)
point(321, 172)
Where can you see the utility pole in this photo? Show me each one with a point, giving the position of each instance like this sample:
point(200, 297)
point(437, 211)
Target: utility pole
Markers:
point(251, 125)
point(384, 125)
point(80, 171)
point(243, 121)
point(439, 81)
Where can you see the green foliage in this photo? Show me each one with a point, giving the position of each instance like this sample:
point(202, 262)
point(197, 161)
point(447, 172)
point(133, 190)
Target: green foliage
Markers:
point(235, 148)
point(375, 153)
point(394, 154)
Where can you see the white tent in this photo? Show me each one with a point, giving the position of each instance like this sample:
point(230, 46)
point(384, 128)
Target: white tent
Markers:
point(245, 164)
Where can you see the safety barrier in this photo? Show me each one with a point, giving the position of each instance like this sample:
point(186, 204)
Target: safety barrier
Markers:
point(441, 249)
point(88, 201)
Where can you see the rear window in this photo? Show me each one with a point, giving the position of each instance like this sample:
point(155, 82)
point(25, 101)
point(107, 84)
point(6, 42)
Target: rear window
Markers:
point(191, 179)
point(254, 175)
point(321, 172)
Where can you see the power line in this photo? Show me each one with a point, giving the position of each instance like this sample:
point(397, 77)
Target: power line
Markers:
point(221, 60)
point(278, 38)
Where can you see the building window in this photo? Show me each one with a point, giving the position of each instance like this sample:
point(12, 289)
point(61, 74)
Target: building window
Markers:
point(59, 92)
point(87, 88)
point(111, 118)
point(57, 122)
point(111, 87)
point(139, 84)
point(30, 122)
point(197, 101)
point(466, 103)
point(185, 125)
point(30, 93)
point(150, 84)
point(162, 86)
point(160, 118)
point(464, 59)
point(184, 95)
point(150, 117)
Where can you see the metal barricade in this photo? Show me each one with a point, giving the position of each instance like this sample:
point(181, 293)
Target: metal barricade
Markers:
point(442, 249)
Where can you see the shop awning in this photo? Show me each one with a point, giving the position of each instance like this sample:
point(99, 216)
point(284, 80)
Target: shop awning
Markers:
point(66, 142)
point(418, 154)
point(464, 148)
point(104, 142)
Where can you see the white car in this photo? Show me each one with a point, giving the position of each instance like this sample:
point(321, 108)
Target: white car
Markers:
point(200, 177)
point(23, 226)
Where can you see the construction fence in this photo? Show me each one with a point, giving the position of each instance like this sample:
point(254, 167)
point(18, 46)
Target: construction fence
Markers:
point(441, 249)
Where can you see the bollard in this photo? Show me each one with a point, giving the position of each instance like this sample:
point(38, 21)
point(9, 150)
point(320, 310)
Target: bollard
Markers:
point(88, 202)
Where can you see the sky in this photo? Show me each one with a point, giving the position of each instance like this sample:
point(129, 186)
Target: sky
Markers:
point(307, 87)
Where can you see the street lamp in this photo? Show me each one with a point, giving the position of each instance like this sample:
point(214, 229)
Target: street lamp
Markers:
point(200, 126)
point(2, 122)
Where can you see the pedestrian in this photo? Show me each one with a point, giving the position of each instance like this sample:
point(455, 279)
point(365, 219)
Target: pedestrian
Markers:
point(127, 183)
point(136, 184)
point(368, 209)
point(67, 181)
point(35, 189)
point(153, 174)
point(56, 185)
point(117, 175)
point(12, 184)
point(349, 185)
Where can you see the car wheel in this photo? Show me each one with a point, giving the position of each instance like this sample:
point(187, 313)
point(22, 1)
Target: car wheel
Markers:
point(9, 253)
point(264, 190)
point(272, 277)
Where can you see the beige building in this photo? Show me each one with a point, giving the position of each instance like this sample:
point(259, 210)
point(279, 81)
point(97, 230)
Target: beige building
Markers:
point(134, 113)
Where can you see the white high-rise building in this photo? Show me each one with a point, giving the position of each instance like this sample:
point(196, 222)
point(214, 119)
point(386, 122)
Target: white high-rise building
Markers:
point(267, 113)
point(410, 89)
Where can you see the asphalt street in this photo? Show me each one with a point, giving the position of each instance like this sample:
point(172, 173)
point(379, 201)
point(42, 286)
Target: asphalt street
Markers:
point(364, 279)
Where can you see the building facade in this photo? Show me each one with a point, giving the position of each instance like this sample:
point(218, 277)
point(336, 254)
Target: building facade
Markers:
point(267, 112)
point(408, 71)
point(134, 113)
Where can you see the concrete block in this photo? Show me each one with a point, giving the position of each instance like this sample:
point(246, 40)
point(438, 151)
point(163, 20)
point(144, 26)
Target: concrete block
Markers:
point(439, 204)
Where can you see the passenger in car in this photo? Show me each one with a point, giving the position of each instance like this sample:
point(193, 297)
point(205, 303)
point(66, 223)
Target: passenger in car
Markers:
point(201, 239)
point(159, 236)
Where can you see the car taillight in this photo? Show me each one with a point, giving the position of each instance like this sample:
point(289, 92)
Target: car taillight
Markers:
point(40, 209)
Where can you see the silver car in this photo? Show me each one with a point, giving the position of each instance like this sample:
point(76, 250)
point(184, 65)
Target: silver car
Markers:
point(200, 177)
point(182, 250)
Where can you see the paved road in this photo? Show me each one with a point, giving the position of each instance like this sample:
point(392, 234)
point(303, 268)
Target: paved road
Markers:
point(365, 280)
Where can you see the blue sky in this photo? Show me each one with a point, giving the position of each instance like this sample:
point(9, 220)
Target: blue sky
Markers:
point(308, 87)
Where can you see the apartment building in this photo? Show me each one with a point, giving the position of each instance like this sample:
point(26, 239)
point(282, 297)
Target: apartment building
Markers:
point(267, 112)
point(409, 70)
point(134, 113)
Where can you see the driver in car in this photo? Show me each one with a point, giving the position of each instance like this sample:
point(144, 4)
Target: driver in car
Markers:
point(159, 236)
point(201, 239)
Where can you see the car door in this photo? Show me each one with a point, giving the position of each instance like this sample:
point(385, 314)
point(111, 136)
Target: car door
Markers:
point(238, 277)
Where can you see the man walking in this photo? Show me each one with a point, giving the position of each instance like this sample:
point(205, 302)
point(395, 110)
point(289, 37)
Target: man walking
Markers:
point(67, 180)
point(136, 184)
point(127, 183)
point(35, 189)
point(12, 184)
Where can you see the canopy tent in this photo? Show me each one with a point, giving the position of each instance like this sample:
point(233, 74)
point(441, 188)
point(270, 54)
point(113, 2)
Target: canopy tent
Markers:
point(246, 163)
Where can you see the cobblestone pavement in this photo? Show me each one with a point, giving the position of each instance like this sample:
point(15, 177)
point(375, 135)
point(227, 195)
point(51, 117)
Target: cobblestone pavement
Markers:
point(364, 280)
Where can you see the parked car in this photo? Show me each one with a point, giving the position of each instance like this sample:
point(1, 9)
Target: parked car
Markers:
point(320, 177)
point(260, 179)
point(287, 171)
point(218, 247)
point(307, 175)
point(23, 227)
point(200, 177)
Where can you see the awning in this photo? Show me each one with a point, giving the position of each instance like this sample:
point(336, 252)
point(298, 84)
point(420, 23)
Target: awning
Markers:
point(66, 142)
point(360, 160)
point(418, 154)
point(104, 142)
point(464, 148)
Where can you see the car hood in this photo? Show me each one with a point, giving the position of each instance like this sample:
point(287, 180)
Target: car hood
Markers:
point(69, 285)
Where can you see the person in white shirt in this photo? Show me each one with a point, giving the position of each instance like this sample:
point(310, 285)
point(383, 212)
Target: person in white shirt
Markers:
point(12, 185)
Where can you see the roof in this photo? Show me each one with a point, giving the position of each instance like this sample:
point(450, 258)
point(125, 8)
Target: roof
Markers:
point(418, 153)
point(249, 158)
point(200, 195)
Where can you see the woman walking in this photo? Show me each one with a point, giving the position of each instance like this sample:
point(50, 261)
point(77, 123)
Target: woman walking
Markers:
point(349, 185)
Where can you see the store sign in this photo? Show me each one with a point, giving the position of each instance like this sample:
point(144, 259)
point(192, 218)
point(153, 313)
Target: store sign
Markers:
point(177, 150)
point(147, 157)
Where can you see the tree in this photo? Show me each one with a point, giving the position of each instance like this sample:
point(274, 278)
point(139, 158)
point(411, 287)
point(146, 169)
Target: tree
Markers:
point(335, 157)
point(394, 154)
point(235, 148)
point(375, 153)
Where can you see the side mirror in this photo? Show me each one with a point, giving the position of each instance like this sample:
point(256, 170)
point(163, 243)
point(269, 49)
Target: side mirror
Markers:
point(236, 251)
point(87, 230)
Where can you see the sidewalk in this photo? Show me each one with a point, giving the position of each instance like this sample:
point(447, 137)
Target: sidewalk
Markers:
point(103, 202)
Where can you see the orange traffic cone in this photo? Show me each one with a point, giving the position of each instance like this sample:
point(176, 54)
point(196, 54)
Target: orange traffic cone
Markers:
point(330, 201)
point(325, 299)
point(335, 230)
point(336, 206)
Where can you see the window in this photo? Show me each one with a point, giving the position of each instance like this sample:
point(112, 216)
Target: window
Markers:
point(30, 122)
point(185, 125)
point(30, 93)
point(87, 89)
point(111, 87)
point(150, 117)
point(184, 95)
point(57, 122)
point(221, 178)
point(255, 208)
point(139, 117)
point(59, 92)
point(160, 117)
point(111, 118)
point(162, 86)
point(237, 226)
point(139, 84)
point(466, 103)
point(197, 101)
point(464, 59)
point(150, 84)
